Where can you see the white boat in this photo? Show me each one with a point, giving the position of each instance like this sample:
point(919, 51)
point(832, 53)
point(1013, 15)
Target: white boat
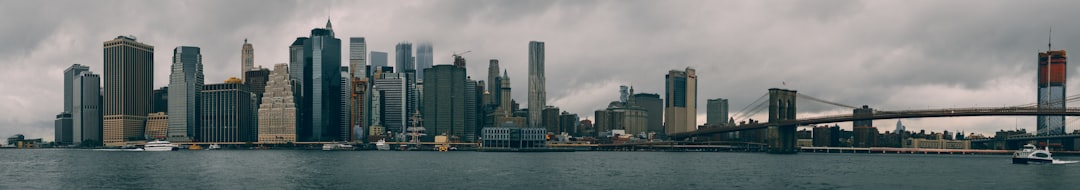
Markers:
point(213, 147)
point(381, 145)
point(337, 146)
point(160, 145)
point(1030, 154)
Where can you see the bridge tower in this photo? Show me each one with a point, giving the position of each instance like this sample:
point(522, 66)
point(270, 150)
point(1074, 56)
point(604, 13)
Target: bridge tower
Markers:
point(781, 138)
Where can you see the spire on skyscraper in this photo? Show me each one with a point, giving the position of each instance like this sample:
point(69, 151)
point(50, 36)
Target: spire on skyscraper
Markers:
point(328, 23)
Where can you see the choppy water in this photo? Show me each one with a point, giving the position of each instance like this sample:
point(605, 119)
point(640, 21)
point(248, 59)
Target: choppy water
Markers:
point(298, 169)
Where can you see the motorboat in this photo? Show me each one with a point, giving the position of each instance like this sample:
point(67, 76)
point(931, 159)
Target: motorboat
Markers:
point(160, 145)
point(381, 145)
point(1031, 154)
point(214, 147)
point(337, 146)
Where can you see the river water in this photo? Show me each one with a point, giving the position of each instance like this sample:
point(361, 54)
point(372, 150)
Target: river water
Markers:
point(312, 169)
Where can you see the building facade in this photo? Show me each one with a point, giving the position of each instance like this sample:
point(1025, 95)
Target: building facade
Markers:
point(62, 133)
point(186, 81)
point(157, 125)
point(1051, 89)
point(388, 102)
point(537, 87)
point(247, 59)
point(277, 113)
point(70, 74)
point(129, 79)
point(716, 111)
point(320, 96)
point(86, 115)
point(379, 59)
point(444, 105)
point(228, 113)
point(255, 80)
point(424, 59)
point(403, 57)
point(161, 100)
point(654, 107)
point(680, 108)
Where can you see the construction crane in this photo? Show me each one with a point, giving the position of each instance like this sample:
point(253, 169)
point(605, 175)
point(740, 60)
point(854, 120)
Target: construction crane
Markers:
point(458, 60)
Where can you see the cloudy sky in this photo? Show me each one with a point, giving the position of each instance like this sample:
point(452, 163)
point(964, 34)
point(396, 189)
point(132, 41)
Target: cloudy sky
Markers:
point(891, 55)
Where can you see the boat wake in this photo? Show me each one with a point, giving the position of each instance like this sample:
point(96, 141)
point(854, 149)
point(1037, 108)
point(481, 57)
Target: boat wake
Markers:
point(1064, 162)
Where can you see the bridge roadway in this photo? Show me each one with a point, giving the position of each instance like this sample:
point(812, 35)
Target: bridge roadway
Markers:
point(957, 112)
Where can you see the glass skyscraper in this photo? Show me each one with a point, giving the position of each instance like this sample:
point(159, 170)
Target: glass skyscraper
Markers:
point(403, 57)
point(681, 105)
point(185, 84)
point(537, 87)
point(424, 59)
point(129, 79)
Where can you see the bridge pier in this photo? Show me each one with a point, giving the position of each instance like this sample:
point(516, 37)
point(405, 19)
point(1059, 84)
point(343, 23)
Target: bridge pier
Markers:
point(781, 138)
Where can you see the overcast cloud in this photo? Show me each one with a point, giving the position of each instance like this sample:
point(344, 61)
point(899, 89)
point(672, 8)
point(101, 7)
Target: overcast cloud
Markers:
point(890, 55)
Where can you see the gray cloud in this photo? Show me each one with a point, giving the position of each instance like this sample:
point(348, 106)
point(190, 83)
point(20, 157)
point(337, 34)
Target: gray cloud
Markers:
point(890, 55)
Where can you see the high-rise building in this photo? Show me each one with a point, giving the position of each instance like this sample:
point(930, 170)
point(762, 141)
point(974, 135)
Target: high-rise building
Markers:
point(654, 107)
point(472, 111)
point(537, 87)
point(69, 84)
point(494, 83)
point(378, 59)
point(344, 114)
point(716, 111)
point(424, 59)
point(161, 100)
point(255, 80)
point(864, 111)
point(357, 57)
point(299, 70)
point(228, 113)
point(444, 104)
point(277, 113)
point(129, 79)
point(568, 123)
point(403, 57)
point(63, 129)
point(389, 95)
point(1051, 89)
point(320, 84)
point(550, 119)
point(157, 125)
point(680, 108)
point(247, 59)
point(86, 109)
point(186, 83)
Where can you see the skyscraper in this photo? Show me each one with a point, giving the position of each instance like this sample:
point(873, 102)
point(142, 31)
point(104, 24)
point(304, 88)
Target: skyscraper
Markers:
point(321, 84)
point(69, 84)
point(186, 83)
point(344, 112)
point(472, 108)
point(493, 81)
point(228, 113)
point(63, 129)
point(255, 80)
point(357, 86)
point(161, 100)
point(247, 59)
point(129, 79)
point(277, 113)
point(537, 87)
point(86, 109)
point(378, 59)
point(681, 104)
point(388, 102)
point(299, 70)
point(1051, 90)
point(444, 105)
point(357, 57)
point(716, 112)
point(654, 107)
point(424, 59)
point(403, 57)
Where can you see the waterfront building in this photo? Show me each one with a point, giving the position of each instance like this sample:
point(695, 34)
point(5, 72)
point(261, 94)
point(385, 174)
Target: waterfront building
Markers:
point(716, 112)
point(277, 113)
point(938, 143)
point(403, 57)
point(680, 108)
point(509, 136)
point(537, 87)
point(70, 74)
point(255, 80)
point(1051, 90)
point(299, 70)
point(228, 113)
point(865, 136)
point(157, 125)
point(129, 79)
point(344, 115)
point(472, 110)
point(444, 105)
point(318, 72)
point(378, 59)
point(654, 107)
point(247, 59)
point(186, 84)
point(424, 59)
point(62, 133)
point(568, 123)
point(864, 111)
point(826, 136)
point(161, 100)
point(388, 102)
point(550, 119)
point(86, 109)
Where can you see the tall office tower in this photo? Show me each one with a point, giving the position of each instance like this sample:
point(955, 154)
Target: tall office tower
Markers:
point(129, 79)
point(378, 59)
point(62, 133)
point(493, 83)
point(69, 84)
point(568, 123)
point(1051, 90)
point(157, 125)
point(403, 57)
point(358, 86)
point(277, 113)
point(444, 105)
point(424, 59)
point(86, 108)
point(186, 84)
point(161, 100)
point(298, 71)
point(472, 111)
point(391, 98)
point(506, 108)
point(247, 59)
point(716, 111)
point(344, 115)
point(320, 84)
point(865, 111)
point(654, 107)
point(255, 80)
point(550, 120)
point(228, 113)
point(412, 96)
point(357, 57)
point(537, 87)
point(681, 104)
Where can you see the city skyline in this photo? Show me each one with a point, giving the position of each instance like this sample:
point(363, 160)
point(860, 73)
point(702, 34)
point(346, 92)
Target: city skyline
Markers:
point(898, 66)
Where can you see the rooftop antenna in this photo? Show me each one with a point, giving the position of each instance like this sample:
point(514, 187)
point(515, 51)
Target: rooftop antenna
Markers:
point(1049, 38)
